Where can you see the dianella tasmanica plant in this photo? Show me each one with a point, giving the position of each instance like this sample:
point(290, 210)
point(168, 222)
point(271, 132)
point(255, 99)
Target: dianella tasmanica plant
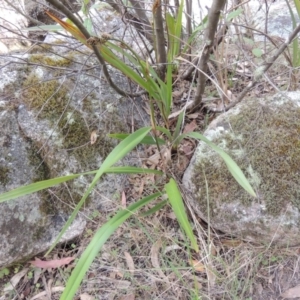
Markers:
point(165, 33)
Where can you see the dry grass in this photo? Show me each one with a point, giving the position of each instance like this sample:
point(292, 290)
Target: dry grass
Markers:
point(149, 258)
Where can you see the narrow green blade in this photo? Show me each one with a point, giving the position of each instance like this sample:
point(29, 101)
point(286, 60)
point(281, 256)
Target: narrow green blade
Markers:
point(115, 155)
point(233, 168)
point(96, 244)
point(179, 210)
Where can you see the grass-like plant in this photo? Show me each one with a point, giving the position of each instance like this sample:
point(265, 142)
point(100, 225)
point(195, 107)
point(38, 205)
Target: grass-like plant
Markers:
point(159, 90)
point(295, 43)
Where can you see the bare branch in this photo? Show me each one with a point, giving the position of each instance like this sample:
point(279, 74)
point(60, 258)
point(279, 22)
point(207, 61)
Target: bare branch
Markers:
point(142, 26)
point(144, 21)
point(80, 26)
point(213, 20)
point(161, 55)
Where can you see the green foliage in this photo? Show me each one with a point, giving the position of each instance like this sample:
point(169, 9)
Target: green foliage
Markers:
point(179, 210)
point(116, 154)
point(4, 272)
point(233, 14)
point(41, 185)
point(148, 140)
point(257, 52)
point(160, 93)
point(101, 236)
point(296, 46)
point(174, 28)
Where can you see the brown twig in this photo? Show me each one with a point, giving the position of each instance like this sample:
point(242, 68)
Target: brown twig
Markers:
point(213, 21)
point(161, 55)
point(142, 25)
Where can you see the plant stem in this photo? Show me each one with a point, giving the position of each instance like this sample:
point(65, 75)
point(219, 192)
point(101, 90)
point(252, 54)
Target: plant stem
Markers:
point(213, 20)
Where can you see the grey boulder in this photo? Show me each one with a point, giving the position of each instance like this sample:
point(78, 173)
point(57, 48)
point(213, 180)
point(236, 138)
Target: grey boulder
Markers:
point(262, 136)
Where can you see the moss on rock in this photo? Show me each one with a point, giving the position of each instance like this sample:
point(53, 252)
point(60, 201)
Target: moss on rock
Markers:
point(4, 175)
point(48, 98)
point(264, 141)
point(76, 139)
point(40, 48)
point(51, 60)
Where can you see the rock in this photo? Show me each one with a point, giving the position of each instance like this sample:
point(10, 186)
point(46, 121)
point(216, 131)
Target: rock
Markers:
point(50, 105)
point(25, 229)
point(12, 23)
point(262, 136)
point(279, 23)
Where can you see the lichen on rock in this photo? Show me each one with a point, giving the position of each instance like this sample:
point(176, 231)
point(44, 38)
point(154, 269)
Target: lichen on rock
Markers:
point(55, 102)
point(262, 136)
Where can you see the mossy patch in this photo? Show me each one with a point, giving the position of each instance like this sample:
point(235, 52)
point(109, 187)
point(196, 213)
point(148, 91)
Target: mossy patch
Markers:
point(40, 48)
point(41, 171)
point(49, 98)
point(4, 175)
point(51, 101)
point(76, 139)
point(264, 141)
point(51, 60)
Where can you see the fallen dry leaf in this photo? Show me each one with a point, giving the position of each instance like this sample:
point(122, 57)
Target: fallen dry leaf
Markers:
point(15, 280)
point(123, 200)
point(193, 116)
point(93, 137)
point(177, 94)
point(197, 265)
point(177, 113)
point(47, 286)
point(37, 275)
point(154, 159)
point(128, 297)
point(155, 259)
point(129, 262)
point(187, 148)
point(172, 248)
point(292, 293)
point(42, 294)
point(171, 215)
point(166, 154)
point(55, 263)
point(190, 127)
point(116, 274)
point(231, 243)
point(86, 297)
point(26, 291)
